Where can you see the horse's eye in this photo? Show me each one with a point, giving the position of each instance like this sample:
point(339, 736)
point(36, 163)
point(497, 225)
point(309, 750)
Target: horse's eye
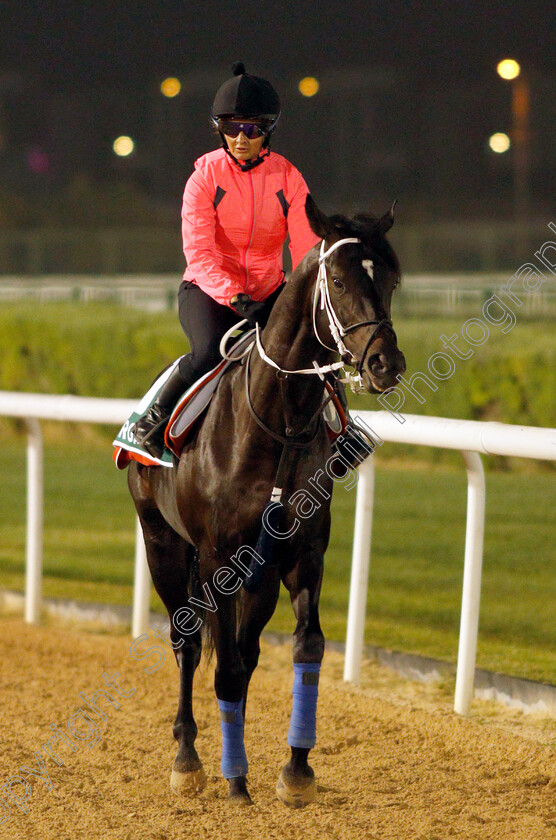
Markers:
point(338, 283)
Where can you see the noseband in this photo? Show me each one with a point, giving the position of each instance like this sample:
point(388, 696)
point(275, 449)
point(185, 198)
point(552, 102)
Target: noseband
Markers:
point(337, 330)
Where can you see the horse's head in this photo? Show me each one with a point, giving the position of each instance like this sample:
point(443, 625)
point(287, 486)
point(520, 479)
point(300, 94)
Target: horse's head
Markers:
point(357, 289)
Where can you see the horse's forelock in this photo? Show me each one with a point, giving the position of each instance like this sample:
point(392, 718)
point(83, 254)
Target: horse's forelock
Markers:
point(342, 225)
point(366, 227)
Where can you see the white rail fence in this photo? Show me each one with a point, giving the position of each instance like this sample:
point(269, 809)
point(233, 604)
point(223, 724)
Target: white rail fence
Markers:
point(470, 437)
point(443, 293)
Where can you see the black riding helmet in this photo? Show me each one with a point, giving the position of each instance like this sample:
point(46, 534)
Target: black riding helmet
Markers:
point(246, 96)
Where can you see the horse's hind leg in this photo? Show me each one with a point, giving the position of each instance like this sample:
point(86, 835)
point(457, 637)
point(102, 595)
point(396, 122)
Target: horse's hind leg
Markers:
point(169, 557)
point(296, 784)
point(169, 577)
point(188, 776)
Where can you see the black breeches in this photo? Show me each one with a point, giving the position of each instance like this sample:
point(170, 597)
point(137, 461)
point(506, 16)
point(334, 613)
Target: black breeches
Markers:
point(204, 321)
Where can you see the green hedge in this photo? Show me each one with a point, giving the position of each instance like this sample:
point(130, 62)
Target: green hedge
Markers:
point(111, 351)
point(511, 377)
point(94, 350)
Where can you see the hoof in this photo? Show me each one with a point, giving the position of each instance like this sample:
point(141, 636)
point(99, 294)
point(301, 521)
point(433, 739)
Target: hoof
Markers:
point(239, 794)
point(241, 799)
point(296, 792)
point(188, 784)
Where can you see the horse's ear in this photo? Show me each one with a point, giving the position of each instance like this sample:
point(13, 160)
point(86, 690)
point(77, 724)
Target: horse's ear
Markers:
point(319, 223)
point(386, 222)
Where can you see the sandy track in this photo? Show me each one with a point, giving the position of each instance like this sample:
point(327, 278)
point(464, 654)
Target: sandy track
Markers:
point(390, 761)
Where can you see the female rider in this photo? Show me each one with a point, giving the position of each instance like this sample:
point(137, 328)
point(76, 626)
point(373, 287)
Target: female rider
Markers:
point(239, 205)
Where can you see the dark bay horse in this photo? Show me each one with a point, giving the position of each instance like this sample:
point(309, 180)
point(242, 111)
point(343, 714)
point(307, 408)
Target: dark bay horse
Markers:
point(202, 518)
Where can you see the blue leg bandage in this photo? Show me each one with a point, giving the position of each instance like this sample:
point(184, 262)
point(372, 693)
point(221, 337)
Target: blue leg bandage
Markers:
point(303, 722)
point(234, 758)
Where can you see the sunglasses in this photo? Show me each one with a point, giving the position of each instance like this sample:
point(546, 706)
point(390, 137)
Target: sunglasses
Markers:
point(250, 129)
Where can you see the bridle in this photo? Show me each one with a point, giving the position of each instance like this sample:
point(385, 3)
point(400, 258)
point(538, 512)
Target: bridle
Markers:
point(321, 293)
point(338, 331)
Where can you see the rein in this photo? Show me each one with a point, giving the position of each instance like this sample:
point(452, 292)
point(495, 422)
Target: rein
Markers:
point(290, 439)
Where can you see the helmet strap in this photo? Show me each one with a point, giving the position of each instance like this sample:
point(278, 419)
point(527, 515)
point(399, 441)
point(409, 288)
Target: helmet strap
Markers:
point(250, 164)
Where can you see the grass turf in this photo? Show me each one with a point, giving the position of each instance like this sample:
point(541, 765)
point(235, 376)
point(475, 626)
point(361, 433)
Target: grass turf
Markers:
point(416, 565)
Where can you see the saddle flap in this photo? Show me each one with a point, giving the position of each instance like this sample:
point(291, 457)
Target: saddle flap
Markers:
point(189, 408)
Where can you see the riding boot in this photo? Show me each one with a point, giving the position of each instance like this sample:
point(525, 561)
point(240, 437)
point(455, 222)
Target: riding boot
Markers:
point(355, 444)
point(149, 430)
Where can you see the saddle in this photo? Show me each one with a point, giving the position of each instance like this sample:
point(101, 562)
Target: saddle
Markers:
point(196, 400)
point(191, 407)
point(188, 411)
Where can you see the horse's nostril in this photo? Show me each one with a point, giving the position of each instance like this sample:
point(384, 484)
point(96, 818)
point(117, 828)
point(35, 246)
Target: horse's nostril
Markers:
point(378, 364)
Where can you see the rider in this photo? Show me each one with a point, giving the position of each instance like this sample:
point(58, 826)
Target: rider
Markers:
point(239, 205)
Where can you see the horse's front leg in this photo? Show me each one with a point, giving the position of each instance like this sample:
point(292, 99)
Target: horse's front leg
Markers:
point(256, 611)
point(296, 784)
point(229, 679)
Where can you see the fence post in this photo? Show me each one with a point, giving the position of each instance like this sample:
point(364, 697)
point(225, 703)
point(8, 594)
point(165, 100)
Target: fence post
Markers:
point(359, 571)
point(471, 596)
point(141, 586)
point(34, 539)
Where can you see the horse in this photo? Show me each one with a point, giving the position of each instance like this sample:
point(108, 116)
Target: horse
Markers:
point(201, 519)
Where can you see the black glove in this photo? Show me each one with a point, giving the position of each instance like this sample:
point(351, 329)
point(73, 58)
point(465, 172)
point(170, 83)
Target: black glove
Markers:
point(253, 310)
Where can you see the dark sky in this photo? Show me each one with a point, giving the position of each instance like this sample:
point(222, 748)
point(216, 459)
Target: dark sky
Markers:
point(72, 41)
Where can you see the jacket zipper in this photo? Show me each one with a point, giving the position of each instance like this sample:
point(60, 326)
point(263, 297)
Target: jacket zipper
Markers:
point(252, 229)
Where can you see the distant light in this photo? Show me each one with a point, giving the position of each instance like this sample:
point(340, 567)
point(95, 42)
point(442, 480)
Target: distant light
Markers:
point(38, 161)
point(170, 87)
point(508, 69)
point(499, 142)
point(123, 146)
point(308, 86)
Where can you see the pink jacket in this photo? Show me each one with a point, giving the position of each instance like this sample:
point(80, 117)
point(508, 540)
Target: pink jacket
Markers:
point(234, 225)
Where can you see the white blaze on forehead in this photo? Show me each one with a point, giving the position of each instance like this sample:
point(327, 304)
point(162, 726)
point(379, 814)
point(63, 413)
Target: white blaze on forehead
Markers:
point(369, 265)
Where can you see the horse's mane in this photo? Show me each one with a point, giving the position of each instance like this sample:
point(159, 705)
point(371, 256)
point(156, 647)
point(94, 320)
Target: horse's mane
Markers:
point(366, 227)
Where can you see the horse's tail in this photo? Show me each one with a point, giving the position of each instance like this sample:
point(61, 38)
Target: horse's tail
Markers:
point(195, 591)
